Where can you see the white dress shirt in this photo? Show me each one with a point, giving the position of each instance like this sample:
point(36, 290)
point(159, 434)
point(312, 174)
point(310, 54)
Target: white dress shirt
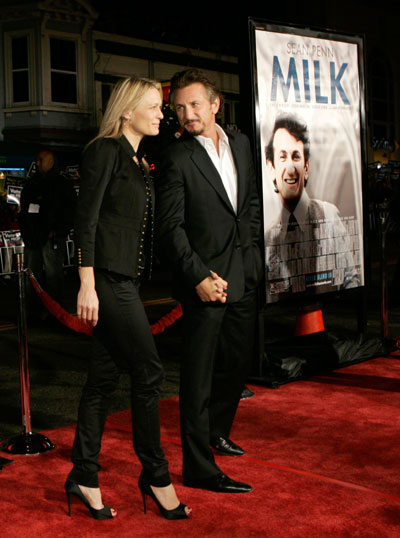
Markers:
point(223, 162)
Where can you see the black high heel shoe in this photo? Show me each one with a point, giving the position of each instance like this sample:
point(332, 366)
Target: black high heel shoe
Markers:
point(176, 513)
point(73, 489)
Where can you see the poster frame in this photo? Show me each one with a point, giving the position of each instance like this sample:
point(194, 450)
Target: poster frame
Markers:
point(333, 35)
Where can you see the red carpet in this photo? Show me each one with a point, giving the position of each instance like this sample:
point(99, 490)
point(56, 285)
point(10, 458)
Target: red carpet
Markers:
point(323, 456)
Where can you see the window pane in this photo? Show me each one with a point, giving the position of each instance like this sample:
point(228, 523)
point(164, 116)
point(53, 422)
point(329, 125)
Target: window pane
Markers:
point(63, 88)
point(62, 54)
point(20, 87)
point(19, 52)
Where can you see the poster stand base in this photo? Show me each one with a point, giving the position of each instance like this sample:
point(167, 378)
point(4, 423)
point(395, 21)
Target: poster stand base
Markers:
point(28, 443)
point(301, 357)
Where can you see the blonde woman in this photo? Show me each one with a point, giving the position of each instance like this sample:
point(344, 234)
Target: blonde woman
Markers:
point(114, 235)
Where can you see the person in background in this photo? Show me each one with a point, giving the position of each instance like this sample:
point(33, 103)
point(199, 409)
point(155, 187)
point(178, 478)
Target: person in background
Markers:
point(46, 217)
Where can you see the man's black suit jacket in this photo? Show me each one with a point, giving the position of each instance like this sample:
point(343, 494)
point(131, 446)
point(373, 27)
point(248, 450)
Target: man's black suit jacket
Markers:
point(197, 227)
point(56, 199)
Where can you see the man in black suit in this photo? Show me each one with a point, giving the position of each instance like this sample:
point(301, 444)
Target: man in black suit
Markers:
point(208, 215)
point(46, 217)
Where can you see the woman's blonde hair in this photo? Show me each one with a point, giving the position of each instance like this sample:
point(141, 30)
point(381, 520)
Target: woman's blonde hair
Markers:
point(126, 95)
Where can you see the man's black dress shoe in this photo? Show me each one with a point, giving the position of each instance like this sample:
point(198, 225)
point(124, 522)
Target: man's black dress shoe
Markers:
point(219, 483)
point(223, 445)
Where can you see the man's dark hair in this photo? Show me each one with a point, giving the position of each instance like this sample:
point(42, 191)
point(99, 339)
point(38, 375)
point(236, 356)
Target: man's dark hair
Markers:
point(296, 127)
point(192, 76)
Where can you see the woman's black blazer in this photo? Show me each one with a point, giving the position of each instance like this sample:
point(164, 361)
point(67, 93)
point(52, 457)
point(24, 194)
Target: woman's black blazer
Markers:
point(111, 215)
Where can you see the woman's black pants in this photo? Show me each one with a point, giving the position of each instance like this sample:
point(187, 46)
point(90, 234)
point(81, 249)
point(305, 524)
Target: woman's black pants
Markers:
point(122, 340)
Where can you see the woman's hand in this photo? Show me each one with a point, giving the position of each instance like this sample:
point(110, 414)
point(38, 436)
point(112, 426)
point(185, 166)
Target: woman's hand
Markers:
point(88, 302)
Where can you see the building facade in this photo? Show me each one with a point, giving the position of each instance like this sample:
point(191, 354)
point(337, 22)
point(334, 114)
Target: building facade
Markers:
point(58, 72)
point(59, 66)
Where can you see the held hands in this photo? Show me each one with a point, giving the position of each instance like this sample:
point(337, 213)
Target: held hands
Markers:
point(212, 288)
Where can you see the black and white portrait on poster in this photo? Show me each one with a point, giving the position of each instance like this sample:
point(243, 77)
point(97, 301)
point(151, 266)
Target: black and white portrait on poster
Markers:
point(308, 114)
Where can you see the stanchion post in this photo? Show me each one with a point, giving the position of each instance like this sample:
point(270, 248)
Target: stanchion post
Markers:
point(27, 442)
point(23, 347)
point(384, 289)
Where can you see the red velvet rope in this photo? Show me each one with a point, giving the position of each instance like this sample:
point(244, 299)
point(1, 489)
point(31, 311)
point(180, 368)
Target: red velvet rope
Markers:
point(167, 320)
point(74, 323)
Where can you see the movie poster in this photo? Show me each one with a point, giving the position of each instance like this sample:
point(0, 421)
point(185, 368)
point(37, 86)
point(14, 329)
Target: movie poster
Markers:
point(308, 110)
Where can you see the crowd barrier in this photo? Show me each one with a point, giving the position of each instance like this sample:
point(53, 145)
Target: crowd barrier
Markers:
point(11, 243)
point(27, 442)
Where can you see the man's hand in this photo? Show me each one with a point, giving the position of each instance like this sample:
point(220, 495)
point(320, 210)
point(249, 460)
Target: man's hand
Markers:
point(221, 284)
point(212, 288)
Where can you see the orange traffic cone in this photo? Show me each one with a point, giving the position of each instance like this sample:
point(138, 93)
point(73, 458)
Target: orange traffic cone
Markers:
point(309, 320)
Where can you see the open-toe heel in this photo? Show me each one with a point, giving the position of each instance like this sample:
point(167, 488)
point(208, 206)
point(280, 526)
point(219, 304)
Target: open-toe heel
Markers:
point(176, 513)
point(71, 488)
